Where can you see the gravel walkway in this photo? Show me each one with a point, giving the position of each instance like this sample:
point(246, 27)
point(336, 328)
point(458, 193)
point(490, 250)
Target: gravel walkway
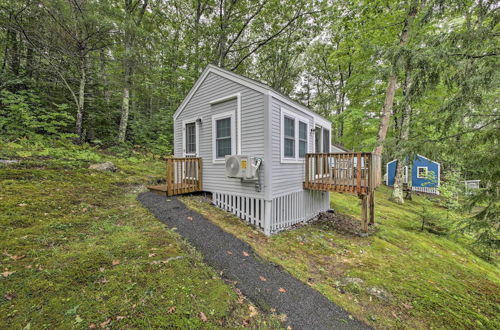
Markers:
point(305, 307)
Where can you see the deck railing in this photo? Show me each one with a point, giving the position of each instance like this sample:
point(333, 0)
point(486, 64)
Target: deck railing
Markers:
point(353, 172)
point(184, 175)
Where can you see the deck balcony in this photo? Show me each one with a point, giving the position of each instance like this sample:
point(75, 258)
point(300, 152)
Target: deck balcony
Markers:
point(352, 172)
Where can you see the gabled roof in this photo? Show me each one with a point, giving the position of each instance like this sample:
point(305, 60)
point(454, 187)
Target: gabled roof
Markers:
point(419, 156)
point(250, 83)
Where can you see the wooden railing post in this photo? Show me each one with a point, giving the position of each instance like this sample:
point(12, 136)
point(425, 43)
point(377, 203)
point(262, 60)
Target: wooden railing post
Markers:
point(358, 174)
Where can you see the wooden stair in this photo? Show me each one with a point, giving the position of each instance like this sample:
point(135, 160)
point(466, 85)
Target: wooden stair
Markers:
point(159, 189)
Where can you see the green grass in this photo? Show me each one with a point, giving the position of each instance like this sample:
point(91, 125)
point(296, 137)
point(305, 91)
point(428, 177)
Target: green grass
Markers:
point(430, 281)
point(78, 250)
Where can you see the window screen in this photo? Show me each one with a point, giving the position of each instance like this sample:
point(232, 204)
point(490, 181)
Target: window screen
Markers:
point(191, 138)
point(302, 139)
point(326, 140)
point(223, 137)
point(289, 137)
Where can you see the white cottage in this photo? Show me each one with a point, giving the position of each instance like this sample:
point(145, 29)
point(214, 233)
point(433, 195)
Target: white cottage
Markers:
point(226, 114)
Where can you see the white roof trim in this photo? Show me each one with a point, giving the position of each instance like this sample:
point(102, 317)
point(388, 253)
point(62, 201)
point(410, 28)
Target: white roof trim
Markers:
point(247, 82)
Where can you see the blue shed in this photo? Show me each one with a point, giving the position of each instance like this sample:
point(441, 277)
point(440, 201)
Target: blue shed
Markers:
point(420, 170)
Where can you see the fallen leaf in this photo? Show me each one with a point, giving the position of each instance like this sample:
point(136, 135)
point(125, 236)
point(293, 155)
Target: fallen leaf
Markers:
point(245, 254)
point(22, 204)
point(28, 266)
point(118, 318)
point(281, 290)
point(262, 278)
point(7, 273)
point(229, 252)
point(171, 309)
point(394, 314)
point(289, 328)
point(102, 281)
point(78, 319)
point(246, 322)
point(115, 262)
point(253, 310)
point(151, 255)
point(17, 257)
point(101, 269)
point(10, 295)
point(105, 323)
point(92, 326)
point(203, 317)
point(301, 243)
point(190, 218)
point(407, 306)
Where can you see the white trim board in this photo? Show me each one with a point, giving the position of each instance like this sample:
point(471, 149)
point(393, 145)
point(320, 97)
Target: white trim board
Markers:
point(228, 114)
point(236, 96)
point(285, 112)
point(197, 130)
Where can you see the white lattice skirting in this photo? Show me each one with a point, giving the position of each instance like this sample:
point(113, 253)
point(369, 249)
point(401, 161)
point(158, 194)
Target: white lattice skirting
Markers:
point(428, 190)
point(286, 210)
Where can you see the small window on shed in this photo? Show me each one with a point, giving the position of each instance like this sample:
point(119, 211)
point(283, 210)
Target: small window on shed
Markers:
point(289, 137)
point(421, 172)
point(191, 138)
point(223, 137)
point(302, 139)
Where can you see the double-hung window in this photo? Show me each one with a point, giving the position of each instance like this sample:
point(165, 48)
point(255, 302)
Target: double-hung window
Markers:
point(421, 172)
point(302, 139)
point(294, 136)
point(191, 138)
point(223, 135)
point(289, 137)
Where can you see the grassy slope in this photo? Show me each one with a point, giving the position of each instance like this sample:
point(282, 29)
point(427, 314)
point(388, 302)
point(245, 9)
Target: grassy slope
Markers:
point(69, 224)
point(431, 281)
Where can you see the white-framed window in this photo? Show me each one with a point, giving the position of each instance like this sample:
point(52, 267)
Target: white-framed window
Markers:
point(422, 172)
point(223, 136)
point(294, 137)
point(190, 137)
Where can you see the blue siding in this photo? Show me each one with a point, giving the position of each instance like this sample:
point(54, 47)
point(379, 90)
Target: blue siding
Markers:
point(416, 182)
point(431, 167)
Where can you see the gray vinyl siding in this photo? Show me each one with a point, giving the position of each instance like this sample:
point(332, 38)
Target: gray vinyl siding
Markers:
point(286, 177)
point(252, 130)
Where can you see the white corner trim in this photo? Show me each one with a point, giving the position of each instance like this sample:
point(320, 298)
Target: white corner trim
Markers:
point(197, 130)
point(296, 160)
point(236, 96)
point(228, 114)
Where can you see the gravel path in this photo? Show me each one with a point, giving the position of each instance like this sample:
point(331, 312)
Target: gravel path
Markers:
point(305, 307)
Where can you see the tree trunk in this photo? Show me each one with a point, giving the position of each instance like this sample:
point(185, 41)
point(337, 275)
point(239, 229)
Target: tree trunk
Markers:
point(397, 192)
point(122, 132)
point(391, 88)
point(81, 98)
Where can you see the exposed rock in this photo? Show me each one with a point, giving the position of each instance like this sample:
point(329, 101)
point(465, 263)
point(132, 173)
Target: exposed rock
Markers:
point(350, 280)
point(107, 166)
point(379, 293)
point(9, 161)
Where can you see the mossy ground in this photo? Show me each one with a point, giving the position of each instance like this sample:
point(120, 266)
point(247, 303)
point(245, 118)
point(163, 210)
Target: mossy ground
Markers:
point(78, 250)
point(428, 281)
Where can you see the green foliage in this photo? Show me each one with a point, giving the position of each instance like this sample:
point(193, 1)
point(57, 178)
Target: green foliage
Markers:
point(23, 113)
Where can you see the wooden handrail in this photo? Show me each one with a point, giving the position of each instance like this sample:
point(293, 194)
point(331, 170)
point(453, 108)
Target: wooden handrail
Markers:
point(184, 175)
point(353, 172)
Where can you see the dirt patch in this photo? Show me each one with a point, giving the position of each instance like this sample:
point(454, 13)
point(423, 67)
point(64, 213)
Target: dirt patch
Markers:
point(342, 223)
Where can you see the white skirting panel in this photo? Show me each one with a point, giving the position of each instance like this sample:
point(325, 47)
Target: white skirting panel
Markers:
point(250, 209)
point(428, 190)
point(286, 210)
point(296, 207)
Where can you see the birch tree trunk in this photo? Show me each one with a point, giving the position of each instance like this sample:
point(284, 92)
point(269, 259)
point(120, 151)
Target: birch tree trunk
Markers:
point(81, 98)
point(397, 192)
point(391, 88)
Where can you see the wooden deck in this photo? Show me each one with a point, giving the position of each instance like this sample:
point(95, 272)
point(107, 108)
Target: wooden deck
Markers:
point(184, 175)
point(356, 173)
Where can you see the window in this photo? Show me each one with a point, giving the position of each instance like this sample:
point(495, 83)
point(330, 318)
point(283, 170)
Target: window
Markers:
point(422, 172)
point(326, 140)
point(289, 137)
point(223, 138)
point(302, 139)
point(294, 137)
point(191, 138)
